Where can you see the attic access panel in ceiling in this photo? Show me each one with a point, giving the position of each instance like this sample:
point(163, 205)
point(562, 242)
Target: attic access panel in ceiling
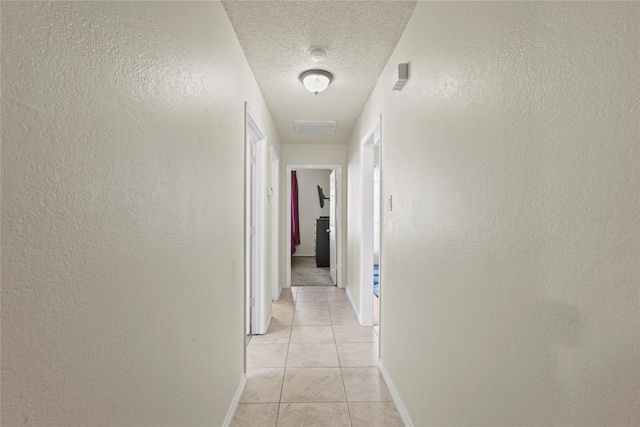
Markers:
point(315, 126)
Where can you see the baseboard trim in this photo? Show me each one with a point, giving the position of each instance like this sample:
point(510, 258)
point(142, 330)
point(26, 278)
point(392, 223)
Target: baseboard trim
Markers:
point(406, 419)
point(236, 401)
point(268, 323)
point(296, 254)
point(277, 297)
point(355, 309)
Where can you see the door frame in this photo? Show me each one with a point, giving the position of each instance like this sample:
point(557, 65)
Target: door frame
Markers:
point(274, 194)
point(333, 194)
point(339, 224)
point(255, 265)
point(367, 146)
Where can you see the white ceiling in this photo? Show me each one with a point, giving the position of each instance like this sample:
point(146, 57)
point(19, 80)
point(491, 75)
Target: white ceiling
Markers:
point(358, 35)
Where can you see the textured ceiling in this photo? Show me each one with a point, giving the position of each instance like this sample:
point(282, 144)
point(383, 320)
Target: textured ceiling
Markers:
point(358, 35)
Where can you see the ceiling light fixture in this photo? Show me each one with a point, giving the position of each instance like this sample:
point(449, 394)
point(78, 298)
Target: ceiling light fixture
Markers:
point(316, 80)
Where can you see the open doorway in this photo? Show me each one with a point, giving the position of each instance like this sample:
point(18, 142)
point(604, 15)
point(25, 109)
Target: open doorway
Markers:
point(376, 234)
point(256, 311)
point(313, 243)
point(370, 257)
point(310, 228)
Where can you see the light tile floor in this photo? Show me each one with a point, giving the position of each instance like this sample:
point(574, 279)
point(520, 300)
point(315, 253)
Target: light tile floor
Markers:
point(316, 366)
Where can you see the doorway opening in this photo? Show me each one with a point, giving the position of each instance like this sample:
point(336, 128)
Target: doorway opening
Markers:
point(256, 312)
point(313, 243)
point(370, 258)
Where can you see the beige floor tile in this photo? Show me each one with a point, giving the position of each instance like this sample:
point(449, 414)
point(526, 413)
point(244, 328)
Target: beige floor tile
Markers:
point(312, 334)
point(311, 289)
point(312, 356)
point(256, 414)
point(267, 355)
point(312, 318)
point(282, 313)
point(311, 305)
point(340, 306)
point(263, 385)
point(374, 414)
point(278, 333)
point(339, 302)
point(311, 296)
point(365, 385)
point(335, 296)
point(313, 385)
point(285, 297)
point(354, 334)
point(283, 306)
point(358, 354)
point(313, 415)
point(344, 318)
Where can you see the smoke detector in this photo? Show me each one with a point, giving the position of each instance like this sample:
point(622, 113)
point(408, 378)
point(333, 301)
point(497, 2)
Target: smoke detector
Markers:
point(318, 54)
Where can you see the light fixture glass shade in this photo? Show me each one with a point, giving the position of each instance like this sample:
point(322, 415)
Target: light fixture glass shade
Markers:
point(316, 80)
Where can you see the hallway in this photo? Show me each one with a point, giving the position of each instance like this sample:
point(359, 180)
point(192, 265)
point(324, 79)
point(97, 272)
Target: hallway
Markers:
point(304, 272)
point(315, 367)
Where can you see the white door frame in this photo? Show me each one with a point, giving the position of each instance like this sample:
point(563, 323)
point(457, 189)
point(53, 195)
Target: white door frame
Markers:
point(367, 146)
point(274, 193)
point(255, 264)
point(339, 224)
point(333, 236)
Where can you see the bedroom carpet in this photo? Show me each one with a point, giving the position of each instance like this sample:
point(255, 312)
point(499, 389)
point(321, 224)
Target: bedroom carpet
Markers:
point(305, 273)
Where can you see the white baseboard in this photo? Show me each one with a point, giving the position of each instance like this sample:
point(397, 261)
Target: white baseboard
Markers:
point(297, 254)
point(268, 322)
point(277, 297)
point(236, 400)
point(355, 310)
point(406, 419)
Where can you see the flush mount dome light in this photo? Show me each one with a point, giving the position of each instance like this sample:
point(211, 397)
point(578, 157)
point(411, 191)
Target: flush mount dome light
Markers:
point(316, 80)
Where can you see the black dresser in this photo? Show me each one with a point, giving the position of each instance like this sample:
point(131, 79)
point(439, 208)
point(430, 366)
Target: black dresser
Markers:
point(322, 241)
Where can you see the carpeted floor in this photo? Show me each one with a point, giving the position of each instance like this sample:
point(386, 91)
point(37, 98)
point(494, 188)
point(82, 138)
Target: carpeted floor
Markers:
point(305, 273)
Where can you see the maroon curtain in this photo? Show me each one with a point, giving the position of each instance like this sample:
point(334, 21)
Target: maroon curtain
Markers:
point(295, 219)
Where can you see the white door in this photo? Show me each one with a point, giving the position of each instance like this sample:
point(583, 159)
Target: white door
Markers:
point(251, 241)
point(333, 201)
point(257, 307)
point(275, 225)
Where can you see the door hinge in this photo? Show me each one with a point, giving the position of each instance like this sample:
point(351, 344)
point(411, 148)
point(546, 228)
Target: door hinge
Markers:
point(253, 302)
point(253, 231)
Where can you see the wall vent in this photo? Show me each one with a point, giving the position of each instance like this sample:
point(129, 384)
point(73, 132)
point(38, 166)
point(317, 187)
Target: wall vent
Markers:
point(315, 126)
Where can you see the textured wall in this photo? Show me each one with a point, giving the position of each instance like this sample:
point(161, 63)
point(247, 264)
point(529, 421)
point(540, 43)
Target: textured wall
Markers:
point(511, 255)
point(122, 212)
point(309, 206)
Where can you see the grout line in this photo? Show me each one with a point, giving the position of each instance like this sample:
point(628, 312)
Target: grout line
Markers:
point(340, 363)
point(284, 373)
point(344, 386)
point(324, 401)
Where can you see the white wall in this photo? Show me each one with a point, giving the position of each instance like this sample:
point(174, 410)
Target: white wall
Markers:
point(511, 254)
point(122, 212)
point(293, 154)
point(309, 206)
